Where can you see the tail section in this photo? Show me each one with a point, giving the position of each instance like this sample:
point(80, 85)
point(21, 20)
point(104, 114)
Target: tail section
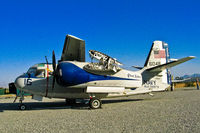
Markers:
point(158, 55)
point(156, 75)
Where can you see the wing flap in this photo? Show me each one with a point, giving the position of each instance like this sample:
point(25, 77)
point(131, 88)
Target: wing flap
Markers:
point(170, 64)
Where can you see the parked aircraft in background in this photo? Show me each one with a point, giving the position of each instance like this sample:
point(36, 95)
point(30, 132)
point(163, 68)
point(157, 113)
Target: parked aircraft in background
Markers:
point(181, 80)
point(72, 78)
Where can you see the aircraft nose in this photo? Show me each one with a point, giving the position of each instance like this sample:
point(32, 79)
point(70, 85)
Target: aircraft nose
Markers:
point(19, 82)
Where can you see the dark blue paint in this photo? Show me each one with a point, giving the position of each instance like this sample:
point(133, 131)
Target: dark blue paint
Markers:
point(73, 75)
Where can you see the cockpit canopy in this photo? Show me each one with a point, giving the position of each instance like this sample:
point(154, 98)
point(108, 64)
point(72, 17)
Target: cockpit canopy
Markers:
point(39, 70)
point(39, 73)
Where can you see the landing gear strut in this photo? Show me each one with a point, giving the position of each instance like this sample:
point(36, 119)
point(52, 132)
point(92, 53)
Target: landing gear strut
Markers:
point(95, 103)
point(21, 105)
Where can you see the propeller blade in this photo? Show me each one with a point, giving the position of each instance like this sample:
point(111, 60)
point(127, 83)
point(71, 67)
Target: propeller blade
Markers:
point(46, 60)
point(54, 69)
point(54, 61)
point(47, 85)
point(54, 79)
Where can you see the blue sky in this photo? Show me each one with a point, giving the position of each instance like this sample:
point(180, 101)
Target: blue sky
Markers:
point(30, 30)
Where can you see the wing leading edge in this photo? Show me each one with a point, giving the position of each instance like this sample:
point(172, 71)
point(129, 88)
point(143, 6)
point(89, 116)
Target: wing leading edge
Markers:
point(74, 49)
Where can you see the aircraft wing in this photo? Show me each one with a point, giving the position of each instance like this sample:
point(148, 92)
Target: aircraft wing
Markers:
point(169, 65)
point(74, 49)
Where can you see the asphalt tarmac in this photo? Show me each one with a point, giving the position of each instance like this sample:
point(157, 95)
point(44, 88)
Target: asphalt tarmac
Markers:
point(166, 112)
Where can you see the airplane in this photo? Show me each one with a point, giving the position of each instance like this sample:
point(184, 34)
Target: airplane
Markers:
point(181, 80)
point(72, 78)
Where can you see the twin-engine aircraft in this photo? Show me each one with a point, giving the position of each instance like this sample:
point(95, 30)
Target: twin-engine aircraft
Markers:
point(72, 78)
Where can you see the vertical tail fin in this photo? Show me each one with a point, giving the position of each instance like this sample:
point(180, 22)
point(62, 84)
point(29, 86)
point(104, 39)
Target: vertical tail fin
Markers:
point(158, 55)
point(155, 73)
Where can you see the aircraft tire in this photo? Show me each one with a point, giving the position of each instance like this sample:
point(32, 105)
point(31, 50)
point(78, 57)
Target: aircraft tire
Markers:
point(22, 107)
point(95, 103)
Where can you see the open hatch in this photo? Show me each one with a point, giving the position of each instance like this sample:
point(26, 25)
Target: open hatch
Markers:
point(106, 65)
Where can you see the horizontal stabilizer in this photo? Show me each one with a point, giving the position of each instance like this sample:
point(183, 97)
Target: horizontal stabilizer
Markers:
point(170, 64)
point(137, 67)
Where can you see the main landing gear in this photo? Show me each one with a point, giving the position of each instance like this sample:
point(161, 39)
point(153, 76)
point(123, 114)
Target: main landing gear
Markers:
point(95, 103)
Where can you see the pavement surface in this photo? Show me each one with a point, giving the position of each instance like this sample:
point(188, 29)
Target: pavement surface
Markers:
point(165, 112)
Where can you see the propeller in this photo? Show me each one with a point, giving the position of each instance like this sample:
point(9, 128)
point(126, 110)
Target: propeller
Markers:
point(54, 74)
point(47, 75)
point(54, 69)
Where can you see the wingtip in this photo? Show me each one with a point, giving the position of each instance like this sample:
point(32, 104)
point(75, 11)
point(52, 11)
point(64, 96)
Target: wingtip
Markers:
point(192, 57)
point(72, 36)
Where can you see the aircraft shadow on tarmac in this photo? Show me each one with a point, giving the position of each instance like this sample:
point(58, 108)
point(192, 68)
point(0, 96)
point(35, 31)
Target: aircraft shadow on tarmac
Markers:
point(57, 105)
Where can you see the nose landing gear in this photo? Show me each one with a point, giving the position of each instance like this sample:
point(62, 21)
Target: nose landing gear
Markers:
point(21, 105)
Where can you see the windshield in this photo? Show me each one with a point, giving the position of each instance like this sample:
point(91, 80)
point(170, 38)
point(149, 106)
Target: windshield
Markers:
point(32, 71)
point(36, 73)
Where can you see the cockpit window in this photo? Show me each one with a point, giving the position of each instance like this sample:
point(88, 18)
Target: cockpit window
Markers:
point(32, 71)
point(37, 73)
point(40, 73)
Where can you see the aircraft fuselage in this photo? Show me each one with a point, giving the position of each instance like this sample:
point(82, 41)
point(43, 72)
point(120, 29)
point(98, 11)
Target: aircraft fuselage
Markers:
point(75, 80)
